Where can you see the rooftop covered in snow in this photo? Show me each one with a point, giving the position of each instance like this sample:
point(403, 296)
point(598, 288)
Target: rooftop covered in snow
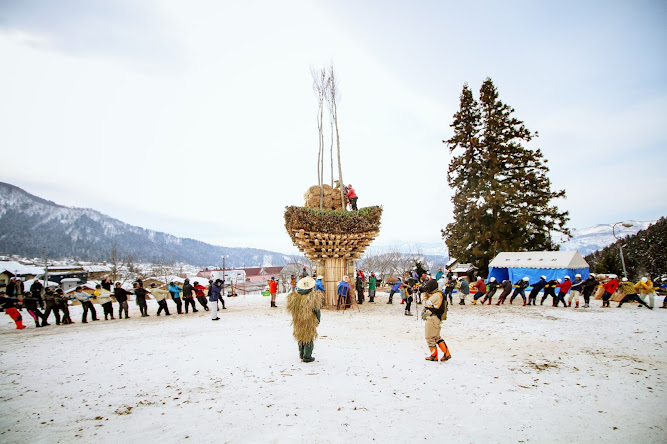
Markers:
point(539, 259)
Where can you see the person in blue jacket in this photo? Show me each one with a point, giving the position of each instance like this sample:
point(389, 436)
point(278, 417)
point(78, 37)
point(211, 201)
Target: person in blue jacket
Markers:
point(175, 291)
point(319, 286)
point(396, 287)
point(214, 295)
point(343, 292)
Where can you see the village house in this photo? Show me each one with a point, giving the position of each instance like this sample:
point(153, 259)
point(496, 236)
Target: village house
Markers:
point(10, 269)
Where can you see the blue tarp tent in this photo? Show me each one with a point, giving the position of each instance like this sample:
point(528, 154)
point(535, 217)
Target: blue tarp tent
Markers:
point(552, 264)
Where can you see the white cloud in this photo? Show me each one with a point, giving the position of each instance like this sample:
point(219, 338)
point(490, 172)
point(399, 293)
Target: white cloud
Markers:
point(199, 119)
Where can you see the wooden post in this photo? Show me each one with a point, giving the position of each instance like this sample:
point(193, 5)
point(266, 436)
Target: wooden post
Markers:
point(334, 270)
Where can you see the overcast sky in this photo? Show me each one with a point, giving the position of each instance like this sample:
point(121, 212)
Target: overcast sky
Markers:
point(198, 118)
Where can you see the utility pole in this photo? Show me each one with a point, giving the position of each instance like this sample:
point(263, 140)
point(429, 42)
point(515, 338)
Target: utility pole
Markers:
point(620, 245)
point(46, 268)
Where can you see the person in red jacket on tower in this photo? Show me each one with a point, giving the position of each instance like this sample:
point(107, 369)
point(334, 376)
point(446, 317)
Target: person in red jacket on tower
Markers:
point(609, 288)
point(352, 197)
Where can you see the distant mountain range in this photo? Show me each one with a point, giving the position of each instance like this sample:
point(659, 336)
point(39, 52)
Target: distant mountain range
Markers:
point(588, 240)
point(585, 240)
point(28, 224)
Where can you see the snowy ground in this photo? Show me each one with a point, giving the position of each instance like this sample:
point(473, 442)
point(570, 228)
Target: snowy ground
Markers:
point(518, 374)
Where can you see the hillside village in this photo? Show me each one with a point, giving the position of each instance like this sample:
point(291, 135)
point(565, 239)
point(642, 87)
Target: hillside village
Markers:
point(67, 275)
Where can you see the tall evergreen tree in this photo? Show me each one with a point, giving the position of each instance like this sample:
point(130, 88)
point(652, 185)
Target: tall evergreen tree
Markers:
point(502, 195)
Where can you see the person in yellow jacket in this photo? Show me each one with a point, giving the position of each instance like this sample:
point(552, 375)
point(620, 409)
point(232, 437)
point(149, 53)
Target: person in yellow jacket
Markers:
point(103, 296)
point(628, 289)
point(645, 288)
point(435, 310)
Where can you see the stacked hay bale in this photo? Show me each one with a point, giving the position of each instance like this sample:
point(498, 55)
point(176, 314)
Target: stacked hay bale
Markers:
point(331, 199)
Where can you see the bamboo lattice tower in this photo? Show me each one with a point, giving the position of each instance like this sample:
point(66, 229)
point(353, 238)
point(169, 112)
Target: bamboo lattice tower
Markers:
point(334, 238)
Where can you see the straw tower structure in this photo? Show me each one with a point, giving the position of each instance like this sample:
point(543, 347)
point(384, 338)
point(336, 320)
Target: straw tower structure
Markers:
point(333, 239)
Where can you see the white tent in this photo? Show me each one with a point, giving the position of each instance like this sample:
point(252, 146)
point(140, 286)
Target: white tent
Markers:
point(515, 265)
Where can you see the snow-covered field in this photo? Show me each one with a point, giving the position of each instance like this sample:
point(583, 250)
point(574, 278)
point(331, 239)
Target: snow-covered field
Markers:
point(518, 374)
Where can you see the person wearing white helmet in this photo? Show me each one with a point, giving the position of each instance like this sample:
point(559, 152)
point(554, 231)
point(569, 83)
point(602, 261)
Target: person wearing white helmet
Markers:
point(506, 285)
point(575, 290)
point(564, 287)
point(536, 288)
point(610, 288)
point(550, 290)
point(520, 289)
point(645, 288)
point(590, 284)
point(464, 289)
point(492, 288)
point(628, 289)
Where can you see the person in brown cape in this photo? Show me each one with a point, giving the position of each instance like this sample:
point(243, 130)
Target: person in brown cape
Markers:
point(304, 305)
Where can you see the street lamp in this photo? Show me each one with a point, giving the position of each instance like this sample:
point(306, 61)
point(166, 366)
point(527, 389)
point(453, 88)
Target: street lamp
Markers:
point(620, 245)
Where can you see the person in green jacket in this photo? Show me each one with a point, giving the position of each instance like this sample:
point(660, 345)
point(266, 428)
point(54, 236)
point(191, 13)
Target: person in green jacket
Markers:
point(372, 283)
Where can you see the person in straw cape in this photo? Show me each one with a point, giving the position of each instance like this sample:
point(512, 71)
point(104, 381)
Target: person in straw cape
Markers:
point(304, 305)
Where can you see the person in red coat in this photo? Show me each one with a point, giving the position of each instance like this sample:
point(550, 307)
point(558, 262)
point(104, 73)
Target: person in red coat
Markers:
point(9, 304)
point(564, 288)
point(352, 197)
point(273, 289)
point(609, 288)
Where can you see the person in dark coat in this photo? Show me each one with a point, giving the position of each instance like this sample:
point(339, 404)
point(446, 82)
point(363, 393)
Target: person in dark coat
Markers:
point(36, 290)
point(121, 297)
point(359, 285)
point(106, 284)
point(188, 298)
point(520, 289)
point(50, 306)
point(449, 287)
point(493, 287)
point(550, 290)
point(590, 284)
point(61, 303)
point(506, 287)
point(31, 305)
point(140, 299)
point(11, 290)
point(214, 295)
point(537, 287)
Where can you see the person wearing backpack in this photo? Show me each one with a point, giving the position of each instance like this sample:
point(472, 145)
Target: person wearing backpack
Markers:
point(435, 311)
